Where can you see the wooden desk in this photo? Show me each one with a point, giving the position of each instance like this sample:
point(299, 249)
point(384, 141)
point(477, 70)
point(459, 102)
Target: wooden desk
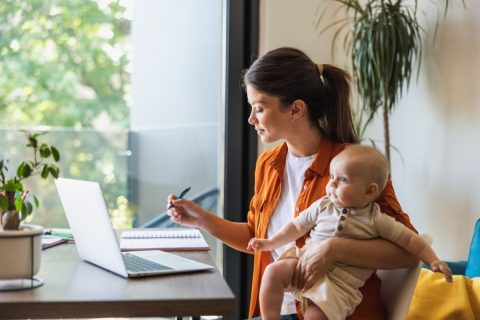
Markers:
point(77, 289)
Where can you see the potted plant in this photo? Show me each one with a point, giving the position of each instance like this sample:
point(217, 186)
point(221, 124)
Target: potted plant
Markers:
point(20, 244)
point(385, 46)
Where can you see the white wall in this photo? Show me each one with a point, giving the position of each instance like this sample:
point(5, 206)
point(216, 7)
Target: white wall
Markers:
point(435, 126)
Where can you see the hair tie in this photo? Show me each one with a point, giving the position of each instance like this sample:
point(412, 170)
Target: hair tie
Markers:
point(320, 71)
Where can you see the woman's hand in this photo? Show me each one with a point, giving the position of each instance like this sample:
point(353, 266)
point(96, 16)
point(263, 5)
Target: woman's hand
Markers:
point(316, 260)
point(188, 213)
point(185, 212)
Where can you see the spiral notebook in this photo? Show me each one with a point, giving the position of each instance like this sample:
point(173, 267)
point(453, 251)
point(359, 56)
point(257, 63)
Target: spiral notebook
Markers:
point(166, 239)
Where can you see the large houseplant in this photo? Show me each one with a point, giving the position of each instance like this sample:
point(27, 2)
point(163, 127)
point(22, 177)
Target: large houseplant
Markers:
point(385, 46)
point(20, 244)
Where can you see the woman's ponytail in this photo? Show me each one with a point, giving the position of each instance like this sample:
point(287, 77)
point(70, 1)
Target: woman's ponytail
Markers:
point(337, 120)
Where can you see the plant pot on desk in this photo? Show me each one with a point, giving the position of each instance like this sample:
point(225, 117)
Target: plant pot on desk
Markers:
point(20, 253)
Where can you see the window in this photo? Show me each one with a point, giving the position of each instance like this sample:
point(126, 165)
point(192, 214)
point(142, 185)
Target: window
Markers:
point(132, 93)
point(131, 96)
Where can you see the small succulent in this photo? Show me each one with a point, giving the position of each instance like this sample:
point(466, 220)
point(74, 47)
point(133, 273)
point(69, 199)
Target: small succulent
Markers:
point(15, 205)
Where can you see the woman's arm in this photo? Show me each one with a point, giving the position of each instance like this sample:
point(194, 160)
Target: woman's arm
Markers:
point(319, 258)
point(188, 213)
point(234, 234)
point(374, 254)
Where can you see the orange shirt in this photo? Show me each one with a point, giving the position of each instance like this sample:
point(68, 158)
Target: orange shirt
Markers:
point(268, 186)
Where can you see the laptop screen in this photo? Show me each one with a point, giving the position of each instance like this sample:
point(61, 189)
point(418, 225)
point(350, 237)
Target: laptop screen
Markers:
point(88, 217)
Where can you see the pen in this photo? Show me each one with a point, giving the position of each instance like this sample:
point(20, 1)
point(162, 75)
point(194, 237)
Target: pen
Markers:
point(180, 196)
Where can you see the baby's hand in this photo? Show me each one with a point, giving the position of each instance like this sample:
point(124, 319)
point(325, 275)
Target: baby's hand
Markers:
point(440, 266)
point(259, 244)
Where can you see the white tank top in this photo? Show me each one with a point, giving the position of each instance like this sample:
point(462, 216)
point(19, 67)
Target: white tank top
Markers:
point(284, 212)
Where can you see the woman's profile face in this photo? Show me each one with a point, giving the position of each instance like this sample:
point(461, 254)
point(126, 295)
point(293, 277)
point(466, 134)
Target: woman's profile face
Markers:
point(271, 120)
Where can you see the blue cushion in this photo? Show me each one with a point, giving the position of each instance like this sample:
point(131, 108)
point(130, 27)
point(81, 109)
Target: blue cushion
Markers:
point(458, 267)
point(473, 263)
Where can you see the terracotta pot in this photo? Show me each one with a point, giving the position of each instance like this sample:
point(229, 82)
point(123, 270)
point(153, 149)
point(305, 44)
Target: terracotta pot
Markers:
point(20, 252)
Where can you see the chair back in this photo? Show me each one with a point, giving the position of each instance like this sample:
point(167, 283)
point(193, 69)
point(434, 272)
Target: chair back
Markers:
point(398, 286)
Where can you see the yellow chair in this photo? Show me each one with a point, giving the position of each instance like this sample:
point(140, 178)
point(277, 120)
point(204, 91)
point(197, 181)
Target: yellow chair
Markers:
point(434, 298)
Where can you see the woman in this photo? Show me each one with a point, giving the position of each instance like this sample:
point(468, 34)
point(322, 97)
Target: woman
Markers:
point(308, 106)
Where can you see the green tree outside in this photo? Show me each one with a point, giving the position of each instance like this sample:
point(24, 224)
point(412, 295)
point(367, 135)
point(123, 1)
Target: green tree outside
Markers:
point(66, 64)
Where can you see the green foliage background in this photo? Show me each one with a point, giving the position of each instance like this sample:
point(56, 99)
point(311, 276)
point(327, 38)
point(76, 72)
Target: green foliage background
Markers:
point(66, 64)
point(63, 63)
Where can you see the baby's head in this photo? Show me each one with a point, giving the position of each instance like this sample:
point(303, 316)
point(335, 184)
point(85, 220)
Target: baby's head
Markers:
point(358, 175)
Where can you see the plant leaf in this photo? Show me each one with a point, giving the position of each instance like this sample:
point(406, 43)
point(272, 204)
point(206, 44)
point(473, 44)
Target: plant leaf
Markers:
point(44, 173)
point(44, 151)
point(3, 203)
point(27, 210)
point(18, 203)
point(24, 170)
point(55, 153)
point(20, 169)
point(37, 203)
point(32, 142)
point(12, 185)
point(54, 171)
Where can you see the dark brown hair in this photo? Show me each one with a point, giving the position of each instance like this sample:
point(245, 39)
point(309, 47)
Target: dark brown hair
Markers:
point(290, 74)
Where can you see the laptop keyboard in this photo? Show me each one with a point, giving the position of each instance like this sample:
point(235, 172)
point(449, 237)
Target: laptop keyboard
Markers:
point(135, 263)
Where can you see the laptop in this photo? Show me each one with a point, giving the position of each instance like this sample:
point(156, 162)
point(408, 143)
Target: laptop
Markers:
point(96, 242)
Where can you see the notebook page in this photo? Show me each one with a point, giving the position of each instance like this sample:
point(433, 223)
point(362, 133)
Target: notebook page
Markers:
point(166, 239)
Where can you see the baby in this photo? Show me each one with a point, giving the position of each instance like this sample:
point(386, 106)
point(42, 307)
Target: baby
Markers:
point(357, 177)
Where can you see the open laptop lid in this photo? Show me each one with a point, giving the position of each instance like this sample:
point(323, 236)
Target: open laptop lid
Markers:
point(88, 217)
